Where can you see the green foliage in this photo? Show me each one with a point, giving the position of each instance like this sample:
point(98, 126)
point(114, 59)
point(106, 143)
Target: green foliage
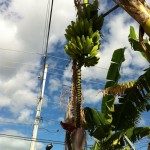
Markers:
point(90, 12)
point(113, 76)
point(83, 35)
point(136, 45)
point(136, 99)
point(117, 120)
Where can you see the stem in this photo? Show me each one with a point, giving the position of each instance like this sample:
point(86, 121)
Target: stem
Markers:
point(112, 9)
point(74, 88)
point(78, 108)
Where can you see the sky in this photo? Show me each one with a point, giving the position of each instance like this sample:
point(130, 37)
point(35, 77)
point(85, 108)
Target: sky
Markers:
point(22, 37)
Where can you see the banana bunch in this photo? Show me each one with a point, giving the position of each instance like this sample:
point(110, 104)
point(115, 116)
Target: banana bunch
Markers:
point(84, 49)
point(83, 36)
point(78, 28)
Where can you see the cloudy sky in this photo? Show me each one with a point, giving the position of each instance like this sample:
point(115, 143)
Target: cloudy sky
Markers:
point(22, 36)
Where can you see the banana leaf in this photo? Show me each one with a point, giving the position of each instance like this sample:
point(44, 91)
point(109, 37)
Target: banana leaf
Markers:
point(113, 76)
point(135, 101)
point(135, 44)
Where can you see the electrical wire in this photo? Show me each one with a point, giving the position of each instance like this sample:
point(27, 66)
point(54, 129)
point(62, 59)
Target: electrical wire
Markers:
point(48, 32)
point(28, 52)
point(32, 139)
point(20, 51)
point(65, 59)
point(60, 58)
point(53, 73)
point(22, 63)
point(45, 27)
point(15, 123)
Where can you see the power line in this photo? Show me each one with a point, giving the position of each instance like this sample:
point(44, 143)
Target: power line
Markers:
point(27, 52)
point(65, 59)
point(20, 51)
point(48, 32)
point(53, 73)
point(60, 58)
point(22, 63)
point(45, 27)
point(32, 139)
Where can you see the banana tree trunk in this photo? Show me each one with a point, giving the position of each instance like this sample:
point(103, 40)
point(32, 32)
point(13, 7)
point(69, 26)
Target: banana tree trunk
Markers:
point(74, 89)
point(79, 97)
point(138, 10)
point(78, 138)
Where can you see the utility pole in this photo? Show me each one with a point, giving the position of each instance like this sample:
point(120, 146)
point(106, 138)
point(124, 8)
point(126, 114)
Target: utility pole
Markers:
point(38, 111)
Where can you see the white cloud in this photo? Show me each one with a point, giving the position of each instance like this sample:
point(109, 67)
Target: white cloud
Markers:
point(22, 28)
point(15, 144)
point(17, 92)
point(91, 96)
point(54, 85)
point(25, 116)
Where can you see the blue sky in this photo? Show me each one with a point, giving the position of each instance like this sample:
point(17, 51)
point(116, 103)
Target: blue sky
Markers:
point(22, 29)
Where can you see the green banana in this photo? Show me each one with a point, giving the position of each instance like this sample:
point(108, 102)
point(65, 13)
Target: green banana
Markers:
point(94, 51)
point(81, 27)
point(89, 44)
point(70, 32)
point(90, 31)
point(80, 46)
point(75, 28)
point(69, 52)
point(95, 36)
point(83, 41)
point(87, 25)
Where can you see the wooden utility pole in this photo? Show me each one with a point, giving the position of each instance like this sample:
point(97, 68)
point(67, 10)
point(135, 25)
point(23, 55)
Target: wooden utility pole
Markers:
point(38, 111)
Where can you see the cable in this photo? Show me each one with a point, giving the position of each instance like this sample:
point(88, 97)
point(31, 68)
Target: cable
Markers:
point(22, 63)
point(45, 27)
point(27, 52)
point(49, 130)
point(15, 123)
point(65, 59)
point(31, 139)
point(58, 74)
point(19, 51)
point(49, 27)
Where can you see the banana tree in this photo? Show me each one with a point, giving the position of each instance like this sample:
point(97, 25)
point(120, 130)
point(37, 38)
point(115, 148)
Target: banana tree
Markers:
point(138, 10)
point(114, 121)
point(83, 43)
